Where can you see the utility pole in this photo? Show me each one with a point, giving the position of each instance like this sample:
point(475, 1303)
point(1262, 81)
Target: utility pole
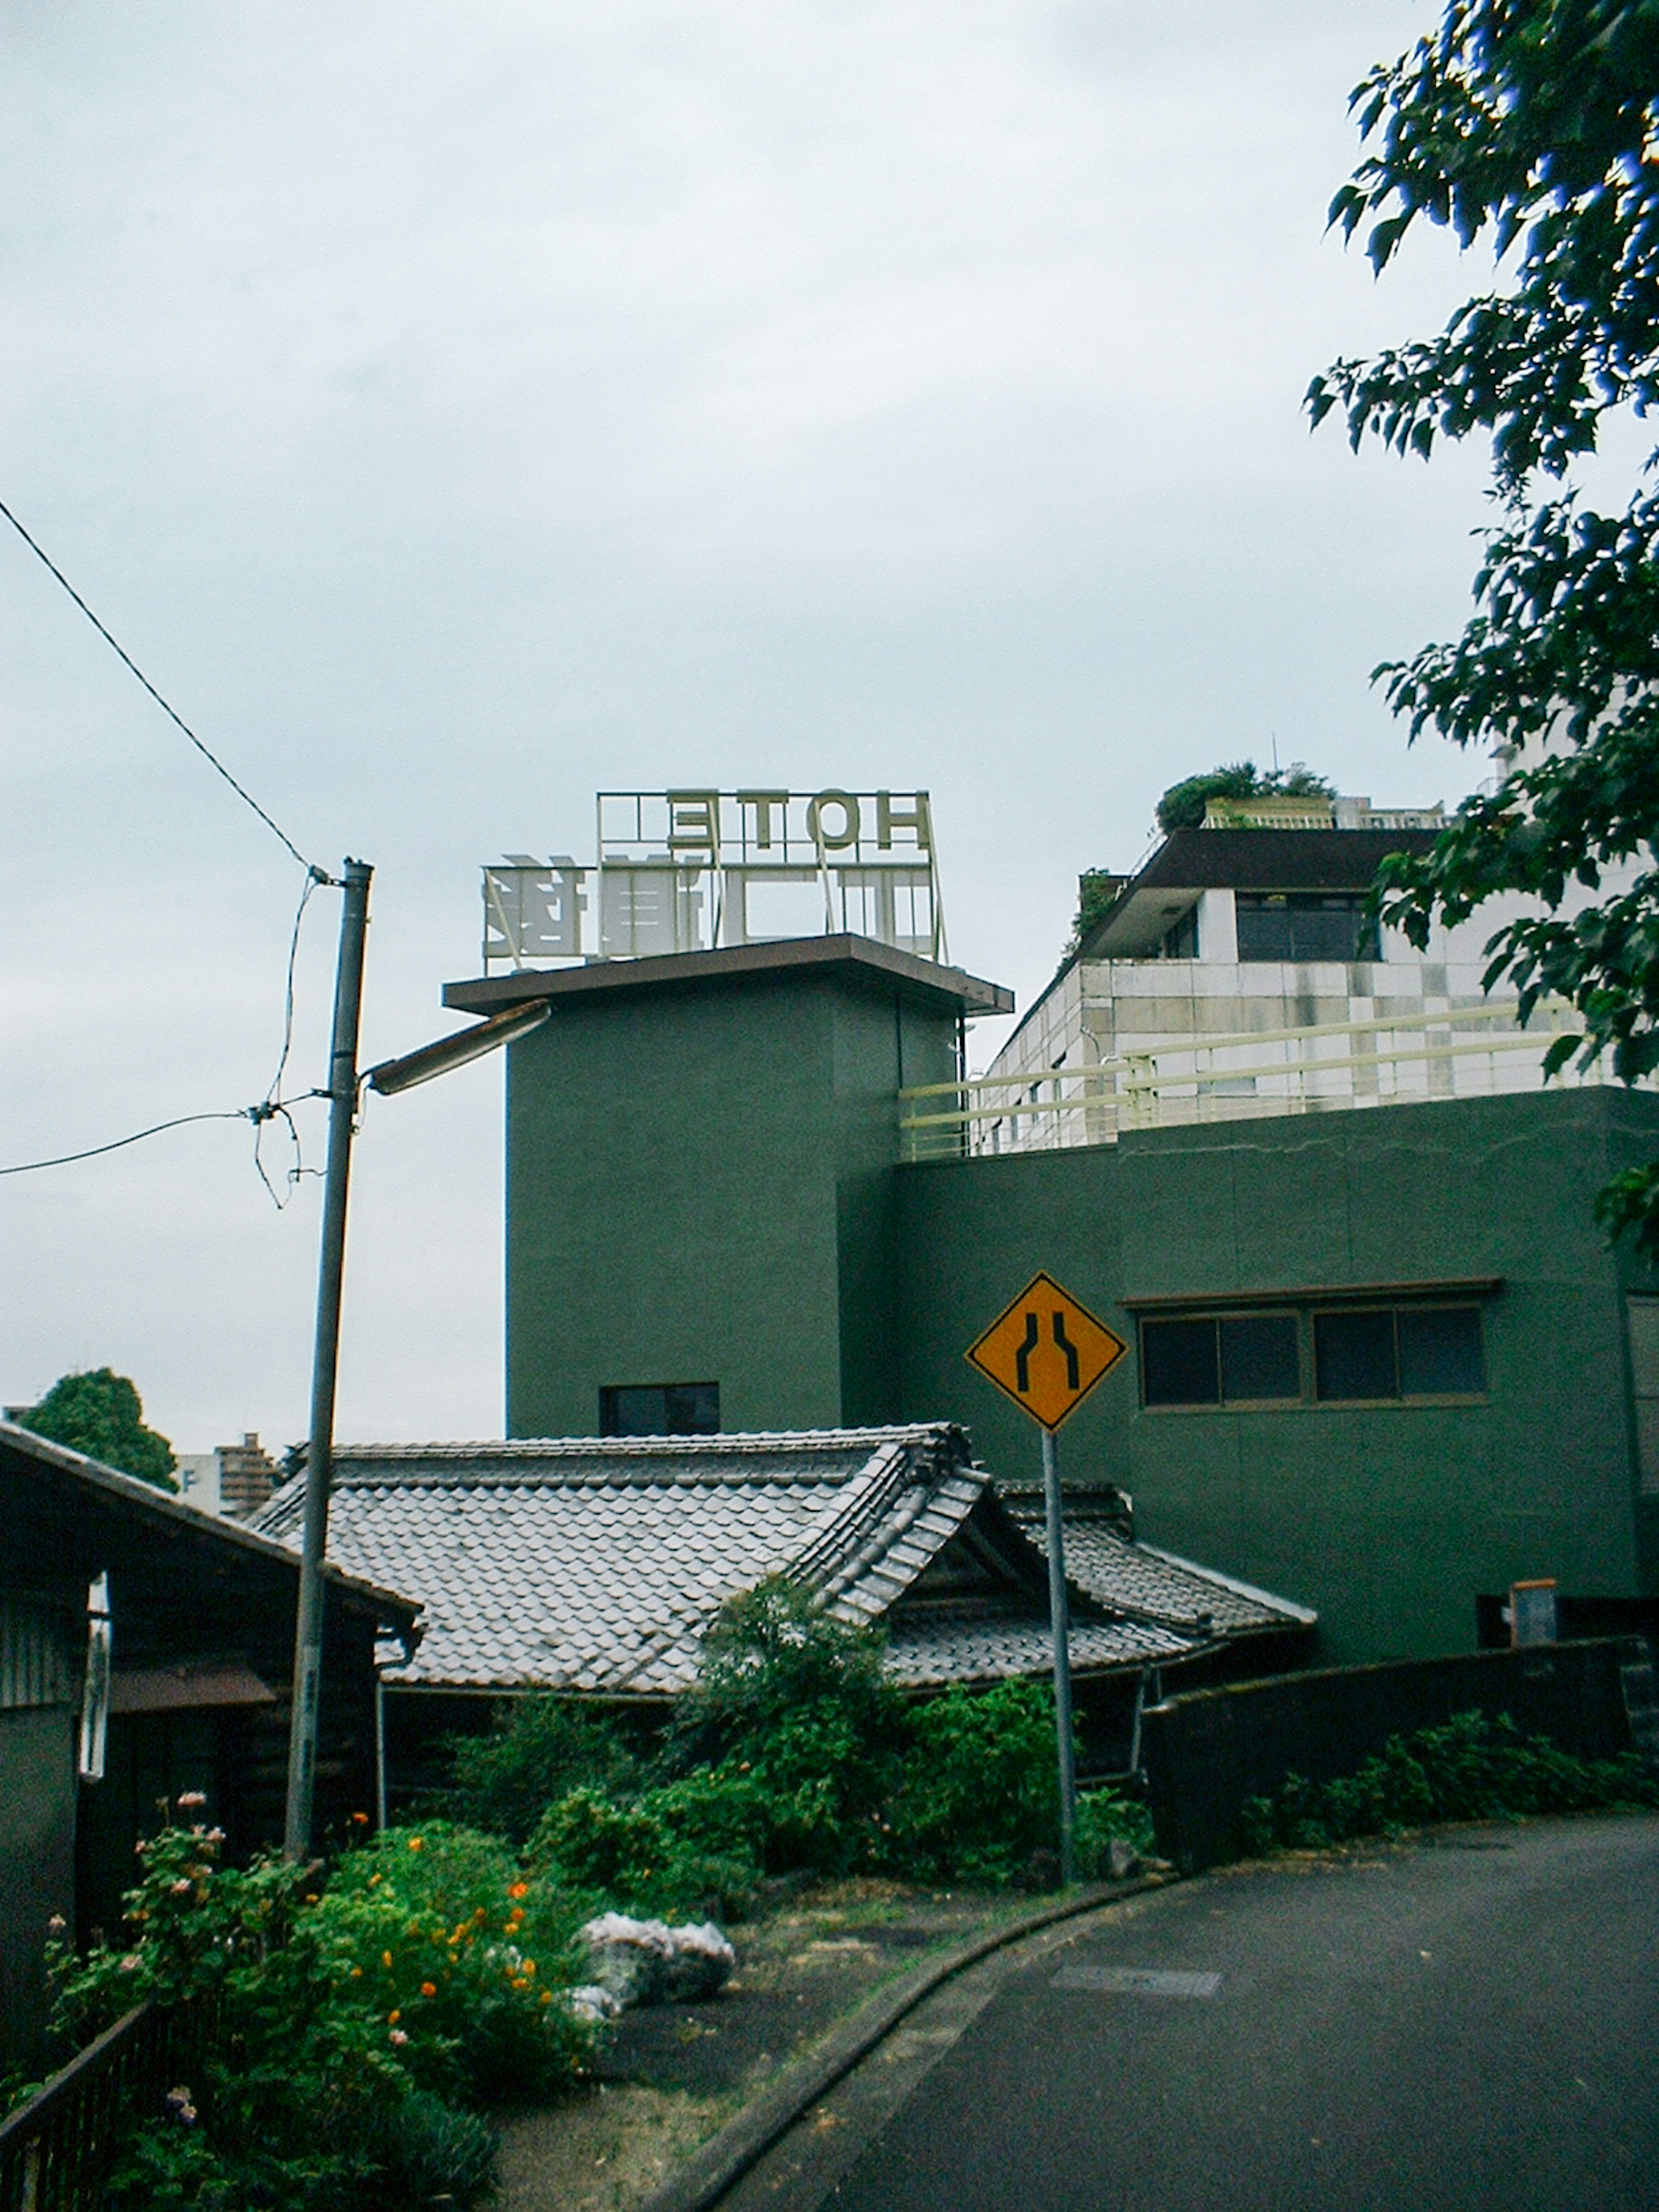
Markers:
point(325, 1358)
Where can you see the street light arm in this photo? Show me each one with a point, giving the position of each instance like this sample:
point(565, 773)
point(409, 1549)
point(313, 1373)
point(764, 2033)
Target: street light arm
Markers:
point(392, 1076)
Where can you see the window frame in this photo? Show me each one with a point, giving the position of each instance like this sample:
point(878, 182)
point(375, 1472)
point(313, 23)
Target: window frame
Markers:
point(1368, 934)
point(1221, 1403)
point(1643, 1440)
point(608, 1392)
point(1306, 1306)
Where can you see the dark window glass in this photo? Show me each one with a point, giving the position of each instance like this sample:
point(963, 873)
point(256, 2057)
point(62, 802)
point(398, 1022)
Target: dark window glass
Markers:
point(1181, 942)
point(1178, 1363)
point(1304, 926)
point(1353, 1354)
point(1258, 1356)
point(660, 1409)
point(1440, 1351)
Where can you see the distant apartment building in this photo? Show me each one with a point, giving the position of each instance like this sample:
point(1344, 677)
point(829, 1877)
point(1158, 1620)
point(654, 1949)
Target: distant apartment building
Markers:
point(233, 1480)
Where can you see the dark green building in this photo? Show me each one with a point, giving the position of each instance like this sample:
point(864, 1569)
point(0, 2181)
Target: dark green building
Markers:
point(1380, 1359)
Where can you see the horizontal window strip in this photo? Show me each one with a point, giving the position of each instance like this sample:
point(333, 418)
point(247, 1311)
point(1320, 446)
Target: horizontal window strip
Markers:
point(1323, 1294)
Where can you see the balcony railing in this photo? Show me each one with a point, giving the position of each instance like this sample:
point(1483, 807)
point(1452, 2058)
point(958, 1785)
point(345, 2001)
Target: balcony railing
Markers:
point(1467, 1052)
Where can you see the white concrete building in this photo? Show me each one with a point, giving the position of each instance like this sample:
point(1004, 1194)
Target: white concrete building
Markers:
point(1237, 973)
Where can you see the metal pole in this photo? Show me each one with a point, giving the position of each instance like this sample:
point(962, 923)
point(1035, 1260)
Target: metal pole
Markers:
point(342, 1113)
point(1060, 1627)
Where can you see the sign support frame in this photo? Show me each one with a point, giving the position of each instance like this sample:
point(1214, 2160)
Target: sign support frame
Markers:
point(1060, 1632)
point(1004, 1353)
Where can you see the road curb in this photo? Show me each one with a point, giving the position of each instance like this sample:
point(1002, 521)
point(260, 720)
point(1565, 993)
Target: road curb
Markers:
point(744, 2140)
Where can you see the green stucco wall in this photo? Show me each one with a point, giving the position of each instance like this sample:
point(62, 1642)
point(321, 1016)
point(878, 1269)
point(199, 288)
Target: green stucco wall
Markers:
point(700, 1188)
point(1389, 1520)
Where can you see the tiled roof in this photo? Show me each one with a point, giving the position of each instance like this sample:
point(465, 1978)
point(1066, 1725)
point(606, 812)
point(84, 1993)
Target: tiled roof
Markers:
point(596, 1565)
point(1145, 1580)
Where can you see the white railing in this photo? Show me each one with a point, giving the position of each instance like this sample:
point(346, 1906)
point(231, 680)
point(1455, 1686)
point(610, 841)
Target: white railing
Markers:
point(1466, 1051)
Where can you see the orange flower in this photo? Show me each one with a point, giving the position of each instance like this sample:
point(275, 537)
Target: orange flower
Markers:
point(360, 1819)
point(393, 2018)
point(416, 1843)
point(385, 1958)
point(429, 1989)
point(519, 1889)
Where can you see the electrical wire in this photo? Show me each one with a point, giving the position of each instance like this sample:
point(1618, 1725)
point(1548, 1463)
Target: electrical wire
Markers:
point(268, 1110)
point(274, 1109)
point(92, 1153)
point(172, 713)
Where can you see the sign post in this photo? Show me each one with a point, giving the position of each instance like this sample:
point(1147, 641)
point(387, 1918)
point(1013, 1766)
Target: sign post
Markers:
point(1046, 1352)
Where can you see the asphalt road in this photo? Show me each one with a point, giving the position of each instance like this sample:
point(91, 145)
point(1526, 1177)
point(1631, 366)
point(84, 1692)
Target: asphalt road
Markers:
point(1469, 2024)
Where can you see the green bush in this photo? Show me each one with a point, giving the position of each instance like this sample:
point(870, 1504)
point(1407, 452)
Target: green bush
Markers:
point(797, 1705)
point(1106, 1816)
point(342, 2019)
point(458, 1960)
point(680, 1848)
point(771, 1651)
point(1466, 1768)
point(980, 1792)
point(422, 2149)
point(536, 1750)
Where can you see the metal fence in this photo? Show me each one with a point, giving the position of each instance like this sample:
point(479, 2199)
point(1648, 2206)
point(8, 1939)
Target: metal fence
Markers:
point(56, 2151)
point(1464, 1052)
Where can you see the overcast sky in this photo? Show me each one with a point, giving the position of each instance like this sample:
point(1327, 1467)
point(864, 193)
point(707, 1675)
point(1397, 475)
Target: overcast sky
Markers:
point(454, 408)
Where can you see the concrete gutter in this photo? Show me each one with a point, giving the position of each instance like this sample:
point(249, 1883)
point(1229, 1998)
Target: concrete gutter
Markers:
point(745, 2141)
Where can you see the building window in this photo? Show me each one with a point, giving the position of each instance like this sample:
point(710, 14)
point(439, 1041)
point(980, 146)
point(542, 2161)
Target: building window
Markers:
point(1305, 926)
point(660, 1409)
point(1642, 1317)
point(1221, 1359)
point(1402, 1352)
point(1181, 942)
point(1373, 1353)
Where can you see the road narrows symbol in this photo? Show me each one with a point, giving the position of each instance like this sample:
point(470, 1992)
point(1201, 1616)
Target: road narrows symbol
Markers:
point(1047, 1352)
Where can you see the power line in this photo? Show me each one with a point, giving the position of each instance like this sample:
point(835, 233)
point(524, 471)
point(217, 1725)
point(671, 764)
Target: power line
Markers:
point(65, 1159)
point(172, 713)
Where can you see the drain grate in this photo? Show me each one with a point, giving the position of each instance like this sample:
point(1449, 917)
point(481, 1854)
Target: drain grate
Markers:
point(1137, 1981)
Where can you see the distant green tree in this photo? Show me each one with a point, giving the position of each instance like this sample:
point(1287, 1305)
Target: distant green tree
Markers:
point(102, 1415)
point(1182, 804)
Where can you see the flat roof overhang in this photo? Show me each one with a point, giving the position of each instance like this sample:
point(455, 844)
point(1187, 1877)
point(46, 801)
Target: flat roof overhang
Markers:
point(1191, 861)
point(859, 959)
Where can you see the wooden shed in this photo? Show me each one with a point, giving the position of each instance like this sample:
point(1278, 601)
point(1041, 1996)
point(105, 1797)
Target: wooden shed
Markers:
point(200, 1645)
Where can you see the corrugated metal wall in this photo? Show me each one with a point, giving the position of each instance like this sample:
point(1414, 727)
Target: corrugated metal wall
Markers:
point(37, 1667)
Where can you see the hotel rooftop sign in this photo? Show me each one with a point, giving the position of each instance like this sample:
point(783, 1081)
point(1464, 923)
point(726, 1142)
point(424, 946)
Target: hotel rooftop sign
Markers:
point(686, 871)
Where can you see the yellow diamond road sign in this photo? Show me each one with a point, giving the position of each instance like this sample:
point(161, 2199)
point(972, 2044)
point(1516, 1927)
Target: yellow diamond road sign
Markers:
point(1047, 1352)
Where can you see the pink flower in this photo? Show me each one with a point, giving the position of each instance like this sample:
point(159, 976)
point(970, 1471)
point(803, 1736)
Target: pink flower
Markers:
point(131, 1964)
point(398, 2037)
point(181, 1887)
point(191, 1799)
